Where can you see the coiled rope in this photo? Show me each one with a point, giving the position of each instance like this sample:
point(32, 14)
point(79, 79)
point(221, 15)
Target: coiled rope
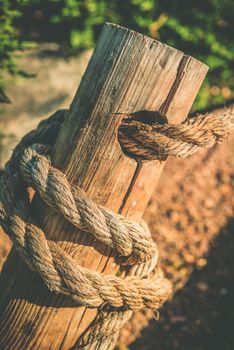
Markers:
point(142, 283)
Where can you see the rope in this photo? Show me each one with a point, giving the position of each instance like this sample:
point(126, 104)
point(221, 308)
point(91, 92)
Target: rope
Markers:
point(115, 231)
point(157, 141)
point(104, 331)
point(142, 283)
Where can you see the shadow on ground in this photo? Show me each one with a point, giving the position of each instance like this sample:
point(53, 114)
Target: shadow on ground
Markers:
point(201, 315)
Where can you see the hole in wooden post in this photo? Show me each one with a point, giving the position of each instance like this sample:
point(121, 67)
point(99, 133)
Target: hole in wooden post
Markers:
point(128, 129)
point(148, 117)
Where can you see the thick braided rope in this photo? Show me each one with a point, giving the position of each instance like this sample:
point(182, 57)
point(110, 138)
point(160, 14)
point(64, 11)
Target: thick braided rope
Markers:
point(104, 331)
point(30, 166)
point(157, 141)
point(115, 231)
point(143, 285)
point(58, 270)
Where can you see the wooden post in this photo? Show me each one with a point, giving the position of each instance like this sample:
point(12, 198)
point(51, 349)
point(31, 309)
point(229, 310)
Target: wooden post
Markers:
point(128, 72)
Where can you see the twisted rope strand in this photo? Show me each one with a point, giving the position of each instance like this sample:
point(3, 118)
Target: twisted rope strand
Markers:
point(127, 237)
point(60, 272)
point(142, 283)
point(104, 331)
point(157, 141)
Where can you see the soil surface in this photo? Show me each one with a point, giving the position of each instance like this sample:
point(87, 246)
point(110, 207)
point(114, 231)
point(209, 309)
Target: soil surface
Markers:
point(190, 216)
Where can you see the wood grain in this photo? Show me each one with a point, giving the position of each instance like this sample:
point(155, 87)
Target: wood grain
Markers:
point(128, 72)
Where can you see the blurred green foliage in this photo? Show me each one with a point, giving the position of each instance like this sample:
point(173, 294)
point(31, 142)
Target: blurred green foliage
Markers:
point(8, 38)
point(203, 29)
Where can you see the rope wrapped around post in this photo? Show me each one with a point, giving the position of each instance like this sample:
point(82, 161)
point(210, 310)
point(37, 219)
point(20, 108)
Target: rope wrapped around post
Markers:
point(159, 140)
point(142, 283)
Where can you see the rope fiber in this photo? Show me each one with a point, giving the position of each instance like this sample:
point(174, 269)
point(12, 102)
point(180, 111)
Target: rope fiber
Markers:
point(141, 283)
point(157, 141)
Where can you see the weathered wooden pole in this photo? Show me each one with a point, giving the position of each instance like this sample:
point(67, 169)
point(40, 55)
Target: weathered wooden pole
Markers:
point(128, 72)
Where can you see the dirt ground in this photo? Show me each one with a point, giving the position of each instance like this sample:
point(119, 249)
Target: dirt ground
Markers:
point(190, 216)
